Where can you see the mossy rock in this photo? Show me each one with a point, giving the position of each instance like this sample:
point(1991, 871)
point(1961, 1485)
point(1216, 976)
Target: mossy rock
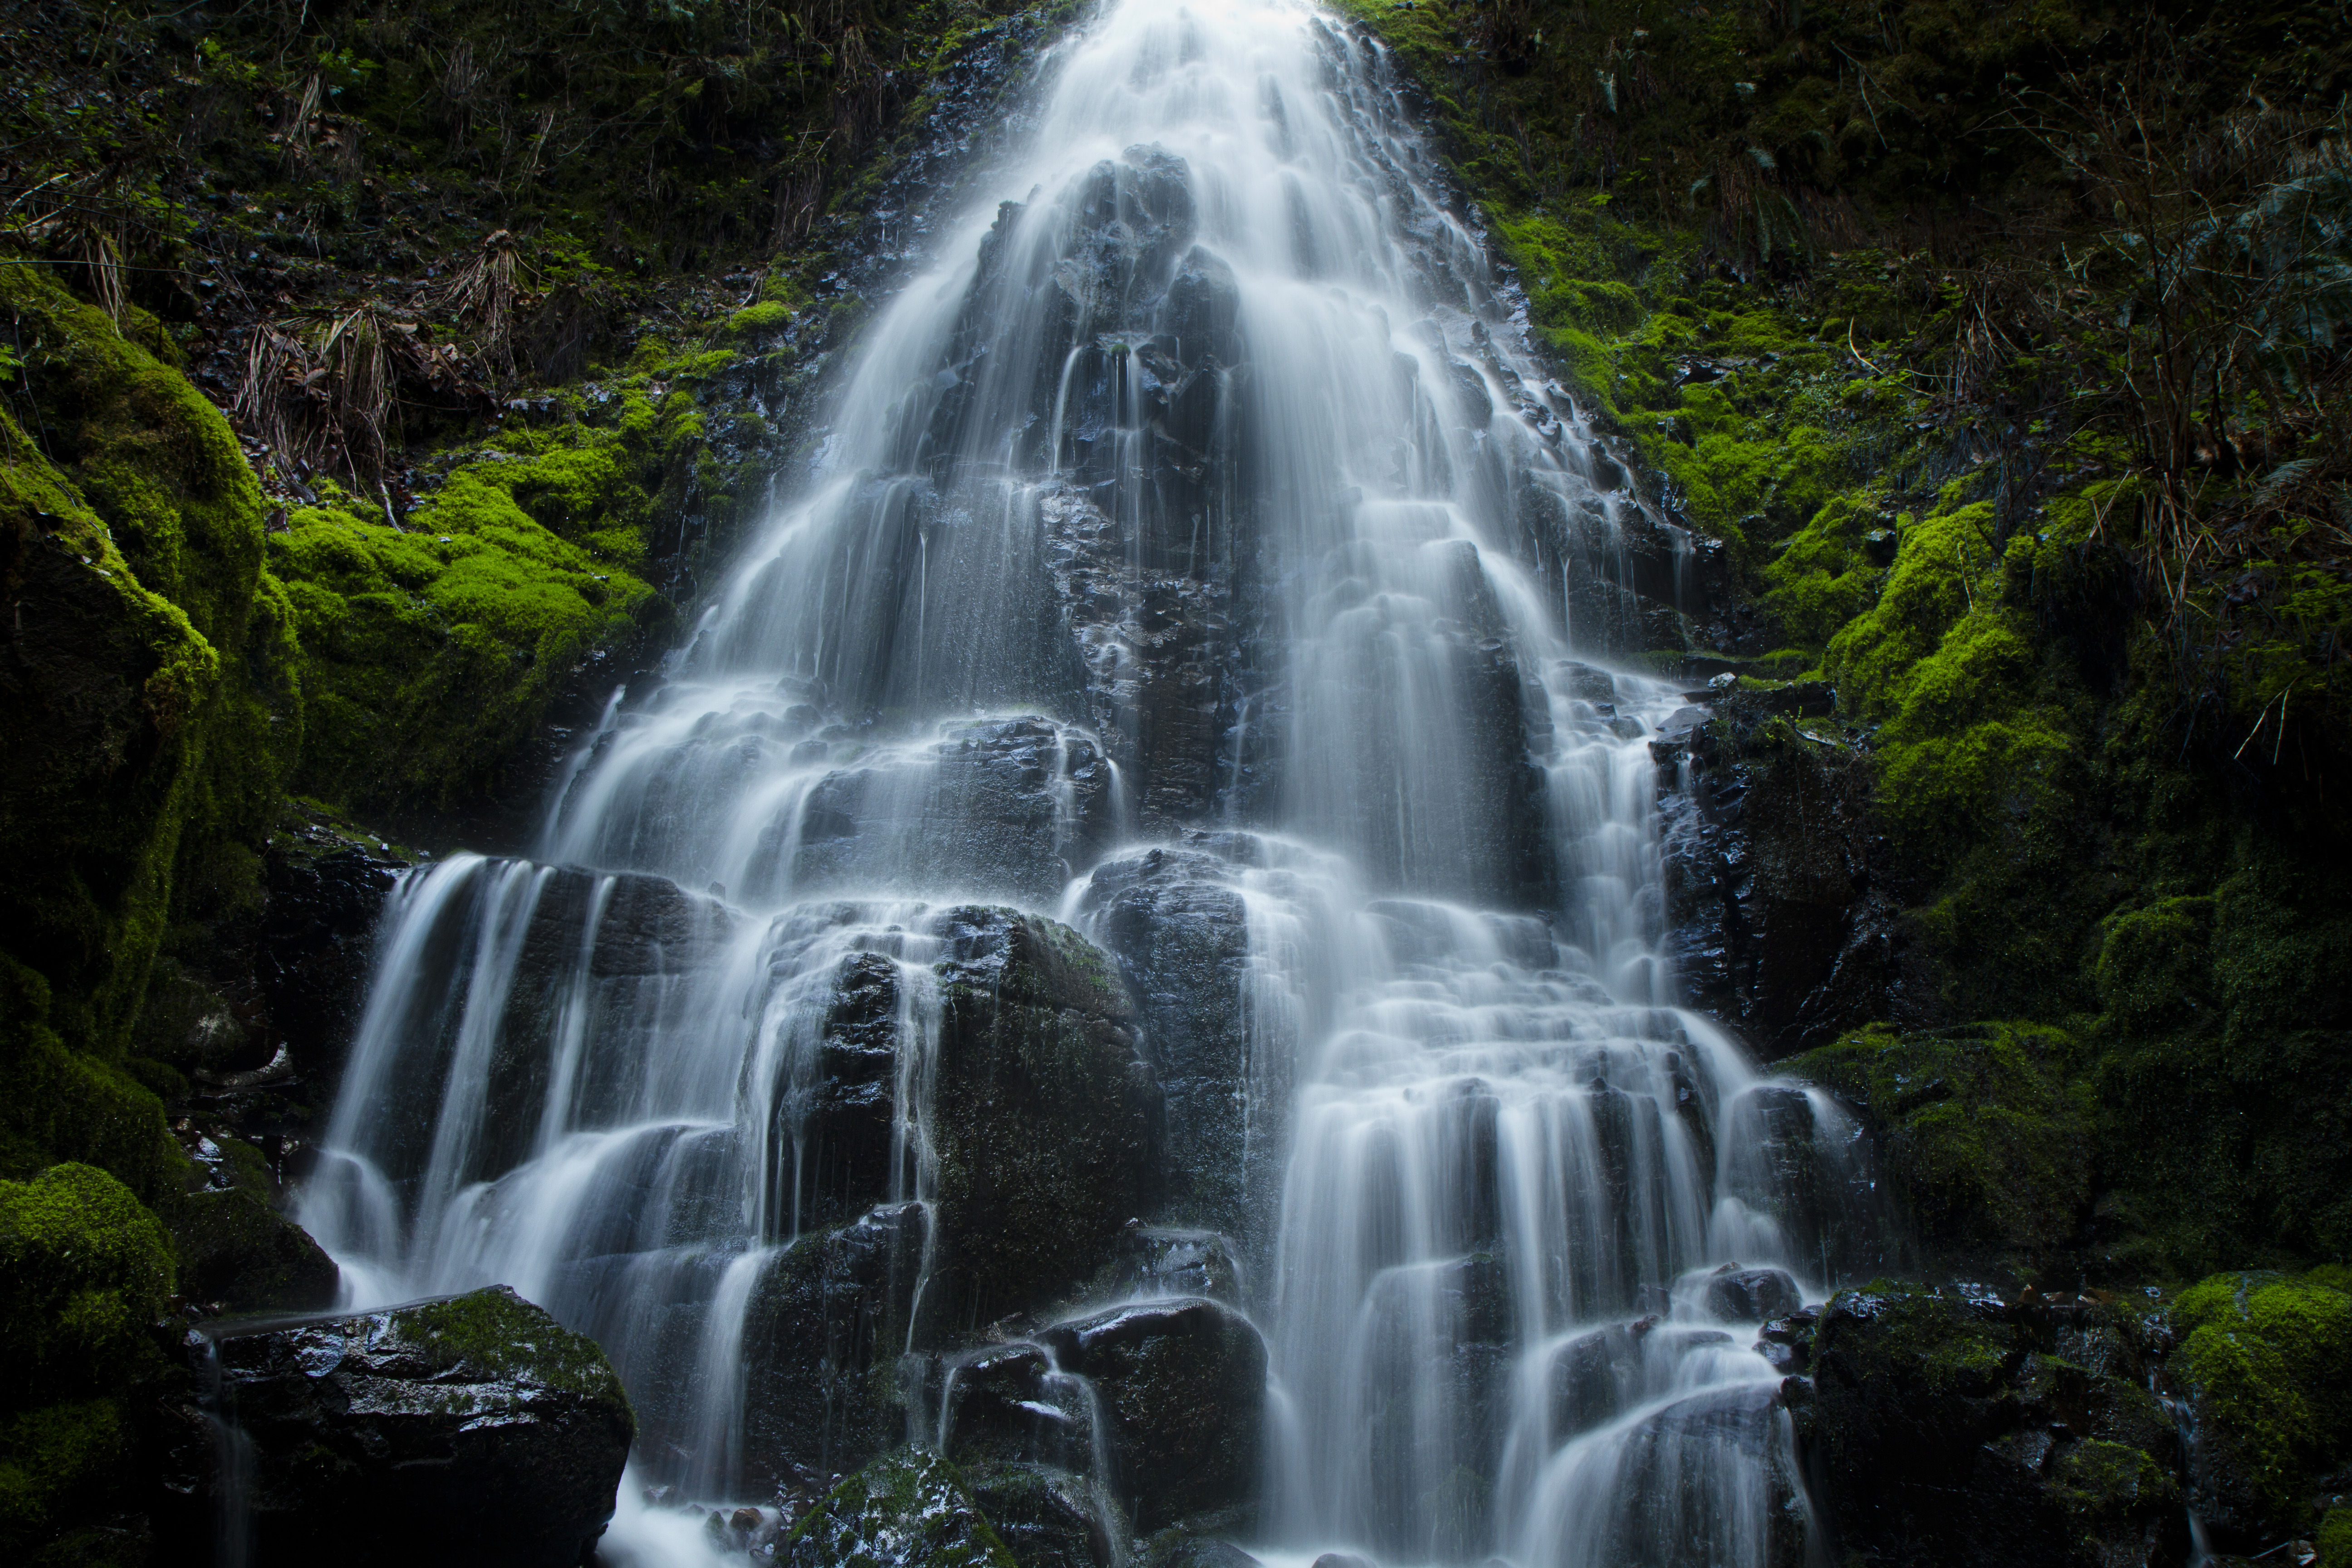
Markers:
point(1983, 1127)
point(490, 1431)
point(130, 547)
point(2334, 1537)
point(907, 1511)
point(61, 1464)
point(238, 1253)
point(2267, 1362)
point(85, 1269)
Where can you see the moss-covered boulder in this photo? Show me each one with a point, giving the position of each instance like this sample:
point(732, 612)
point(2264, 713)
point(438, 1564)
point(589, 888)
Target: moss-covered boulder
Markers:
point(237, 1253)
point(1984, 1130)
point(2267, 1363)
point(85, 1271)
point(1950, 1427)
point(1043, 1113)
point(910, 1511)
point(475, 1428)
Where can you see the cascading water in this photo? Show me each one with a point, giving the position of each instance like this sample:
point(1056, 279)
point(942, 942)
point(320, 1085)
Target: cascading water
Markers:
point(1204, 495)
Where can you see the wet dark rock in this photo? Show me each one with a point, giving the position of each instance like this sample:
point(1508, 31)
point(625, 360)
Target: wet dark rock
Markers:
point(1751, 1295)
point(1182, 1386)
point(839, 1125)
point(1589, 1378)
point(1181, 934)
point(1783, 919)
point(648, 931)
point(1009, 1402)
point(324, 892)
point(910, 1511)
point(1154, 640)
point(1159, 1260)
point(475, 1429)
point(1016, 804)
point(1043, 1112)
point(1943, 1428)
point(1342, 1560)
point(1045, 1515)
point(822, 1337)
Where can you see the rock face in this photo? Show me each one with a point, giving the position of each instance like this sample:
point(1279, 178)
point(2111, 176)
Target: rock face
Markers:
point(1180, 933)
point(1043, 1114)
point(1953, 1429)
point(1182, 1391)
point(1046, 1517)
point(1736, 1295)
point(1783, 922)
point(475, 1429)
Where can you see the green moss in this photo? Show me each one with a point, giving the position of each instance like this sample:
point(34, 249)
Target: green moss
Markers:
point(430, 654)
point(758, 318)
point(158, 701)
point(2334, 1537)
point(2101, 1482)
point(1984, 1128)
point(58, 1463)
point(2269, 1362)
point(84, 1269)
point(494, 1334)
point(910, 1511)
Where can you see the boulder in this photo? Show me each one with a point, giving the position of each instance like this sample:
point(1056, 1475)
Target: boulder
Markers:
point(1010, 1402)
point(1047, 1517)
point(2266, 1364)
point(1183, 1390)
point(822, 1333)
point(239, 1254)
point(909, 1510)
point(472, 1430)
point(1782, 921)
point(1043, 1113)
point(1736, 1295)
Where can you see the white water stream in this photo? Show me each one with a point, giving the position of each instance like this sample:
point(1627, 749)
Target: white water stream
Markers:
point(1231, 353)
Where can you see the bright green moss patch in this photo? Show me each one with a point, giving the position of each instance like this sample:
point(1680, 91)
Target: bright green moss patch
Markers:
point(2268, 1360)
point(1984, 1130)
point(84, 1269)
point(2334, 1537)
point(758, 318)
point(431, 653)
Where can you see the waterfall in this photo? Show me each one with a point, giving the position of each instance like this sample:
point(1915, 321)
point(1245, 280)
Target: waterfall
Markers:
point(1194, 554)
